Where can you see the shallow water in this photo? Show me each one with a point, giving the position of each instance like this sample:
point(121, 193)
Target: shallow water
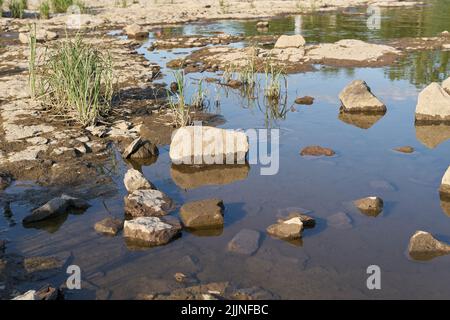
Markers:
point(331, 260)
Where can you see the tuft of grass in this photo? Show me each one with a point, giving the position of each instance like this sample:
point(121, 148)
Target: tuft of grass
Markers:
point(61, 6)
point(32, 61)
point(44, 10)
point(274, 76)
point(77, 82)
point(199, 98)
point(177, 102)
point(1, 8)
point(17, 8)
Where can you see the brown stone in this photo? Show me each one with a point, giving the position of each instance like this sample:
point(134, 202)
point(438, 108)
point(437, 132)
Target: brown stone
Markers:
point(203, 214)
point(317, 151)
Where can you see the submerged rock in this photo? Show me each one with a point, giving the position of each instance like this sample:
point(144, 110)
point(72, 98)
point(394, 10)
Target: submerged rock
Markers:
point(423, 246)
point(289, 229)
point(294, 41)
point(252, 293)
point(405, 149)
point(340, 220)
point(56, 207)
point(234, 83)
point(208, 145)
point(110, 226)
point(317, 151)
point(152, 231)
point(306, 100)
point(445, 182)
point(135, 180)
point(369, 205)
point(147, 203)
point(245, 242)
point(203, 214)
point(357, 97)
point(209, 291)
point(140, 149)
point(135, 31)
point(262, 24)
point(433, 104)
point(5, 180)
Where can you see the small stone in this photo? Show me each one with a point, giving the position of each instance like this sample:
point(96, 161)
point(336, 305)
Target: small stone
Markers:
point(234, 84)
point(152, 231)
point(340, 220)
point(405, 149)
point(290, 229)
point(317, 151)
point(135, 180)
point(245, 242)
point(203, 214)
point(306, 100)
point(423, 246)
point(147, 203)
point(110, 226)
point(308, 222)
point(369, 205)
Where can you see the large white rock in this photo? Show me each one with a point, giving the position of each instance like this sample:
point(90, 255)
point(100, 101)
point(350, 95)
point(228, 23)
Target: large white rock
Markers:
point(357, 97)
point(152, 230)
point(295, 41)
point(134, 180)
point(446, 85)
point(445, 183)
point(433, 104)
point(208, 145)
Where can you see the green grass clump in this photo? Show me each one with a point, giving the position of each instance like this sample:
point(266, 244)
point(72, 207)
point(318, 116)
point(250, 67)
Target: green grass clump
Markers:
point(32, 62)
point(44, 10)
point(177, 102)
point(17, 8)
point(77, 82)
point(1, 8)
point(61, 6)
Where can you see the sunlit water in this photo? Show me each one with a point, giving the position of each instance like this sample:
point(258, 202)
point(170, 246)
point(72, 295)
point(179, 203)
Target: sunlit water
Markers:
point(331, 261)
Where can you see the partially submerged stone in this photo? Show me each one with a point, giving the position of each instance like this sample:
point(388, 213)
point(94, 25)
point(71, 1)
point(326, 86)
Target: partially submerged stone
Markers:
point(290, 229)
point(56, 207)
point(109, 226)
point(135, 31)
point(152, 231)
point(306, 100)
point(135, 180)
point(340, 220)
point(423, 246)
point(445, 182)
point(140, 149)
point(245, 242)
point(405, 149)
point(308, 221)
point(433, 105)
point(357, 97)
point(369, 205)
point(208, 145)
point(294, 41)
point(317, 151)
point(147, 203)
point(203, 214)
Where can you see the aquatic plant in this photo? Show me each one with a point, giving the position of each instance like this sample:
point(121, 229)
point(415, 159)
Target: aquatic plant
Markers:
point(32, 62)
point(61, 6)
point(77, 82)
point(274, 76)
point(17, 8)
point(177, 102)
point(199, 98)
point(44, 10)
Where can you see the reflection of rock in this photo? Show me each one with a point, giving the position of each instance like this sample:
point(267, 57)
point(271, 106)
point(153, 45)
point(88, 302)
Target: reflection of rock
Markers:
point(445, 183)
point(445, 203)
point(423, 246)
point(360, 120)
point(188, 177)
point(432, 135)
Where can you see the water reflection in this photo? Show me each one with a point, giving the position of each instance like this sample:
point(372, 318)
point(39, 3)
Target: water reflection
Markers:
point(360, 120)
point(445, 203)
point(432, 135)
point(191, 177)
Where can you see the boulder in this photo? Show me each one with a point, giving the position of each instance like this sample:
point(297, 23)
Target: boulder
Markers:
point(110, 226)
point(245, 242)
point(446, 85)
point(357, 97)
point(369, 205)
point(208, 145)
point(135, 31)
point(294, 41)
point(289, 229)
point(152, 231)
point(203, 214)
point(135, 180)
point(147, 203)
point(56, 207)
point(405, 149)
point(308, 221)
point(423, 246)
point(234, 83)
point(433, 104)
point(41, 36)
point(316, 151)
point(445, 183)
point(140, 149)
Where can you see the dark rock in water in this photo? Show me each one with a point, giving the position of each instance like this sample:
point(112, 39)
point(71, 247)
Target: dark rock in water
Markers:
point(203, 214)
point(317, 151)
point(234, 84)
point(308, 221)
point(39, 264)
point(405, 149)
point(253, 293)
point(423, 246)
point(174, 87)
point(245, 242)
point(109, 226)
point(290, 229)
point(306, 100)
point(2, 246)
point(5, 180)
point(147, 203)
point(56, 207)
point(369, 205)
point(152, 231)
point(185, 279)
point(340, 220)
point(209, 291)
point(140, 149)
